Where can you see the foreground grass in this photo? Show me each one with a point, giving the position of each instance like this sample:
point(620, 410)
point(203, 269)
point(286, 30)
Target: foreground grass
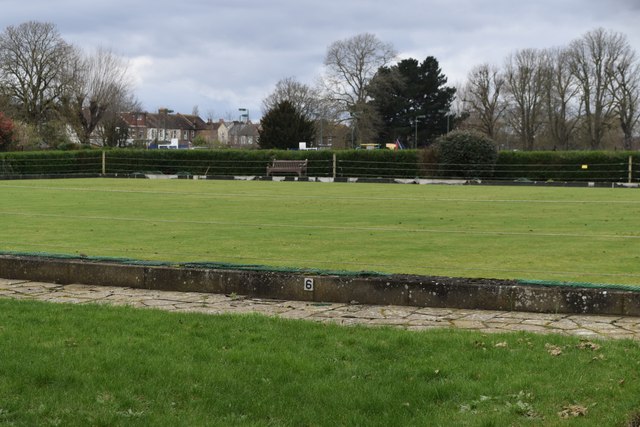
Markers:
point(96, 365)
point(573, 234)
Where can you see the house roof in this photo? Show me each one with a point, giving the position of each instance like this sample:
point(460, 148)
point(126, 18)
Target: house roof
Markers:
point(164, 120)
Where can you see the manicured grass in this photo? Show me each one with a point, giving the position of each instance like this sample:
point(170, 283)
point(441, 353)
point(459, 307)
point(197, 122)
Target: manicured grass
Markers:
point(77, 365)
point(572, 234)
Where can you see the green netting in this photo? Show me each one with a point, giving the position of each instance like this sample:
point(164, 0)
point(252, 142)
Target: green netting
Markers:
point(201, 265)
point(551, 283)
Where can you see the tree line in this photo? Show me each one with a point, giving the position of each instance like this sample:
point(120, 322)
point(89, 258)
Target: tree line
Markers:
point(583, 96)
point(47, 85)
point(363, 97)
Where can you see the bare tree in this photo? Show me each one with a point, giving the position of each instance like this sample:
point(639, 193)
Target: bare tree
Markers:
point(113, 131)
point(351, 64)
point(101, 84)
point(525, 80)
point(305, 99)
point(561, 98)
point(626, 93)
point(594, 57)
point(484, 98)
point(33, 69)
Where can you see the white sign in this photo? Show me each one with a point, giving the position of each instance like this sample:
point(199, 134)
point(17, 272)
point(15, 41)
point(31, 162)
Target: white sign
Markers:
point(308, 284)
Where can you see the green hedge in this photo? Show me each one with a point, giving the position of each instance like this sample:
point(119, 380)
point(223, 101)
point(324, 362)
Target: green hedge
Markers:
point(566, 165)
point(535, 166)
point(377, 163)
point(51, 162)
point(210, 162)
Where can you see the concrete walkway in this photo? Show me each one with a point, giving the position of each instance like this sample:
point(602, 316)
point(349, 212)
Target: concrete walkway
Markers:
point(410, 318)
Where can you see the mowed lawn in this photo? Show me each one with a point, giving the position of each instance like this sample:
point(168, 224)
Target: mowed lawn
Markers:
point(89, 365)
point(565, 234)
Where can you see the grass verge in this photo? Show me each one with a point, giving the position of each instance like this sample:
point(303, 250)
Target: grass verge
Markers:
point(97, 365)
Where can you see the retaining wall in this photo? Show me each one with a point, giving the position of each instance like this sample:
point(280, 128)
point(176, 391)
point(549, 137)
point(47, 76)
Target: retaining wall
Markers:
point(422, 291)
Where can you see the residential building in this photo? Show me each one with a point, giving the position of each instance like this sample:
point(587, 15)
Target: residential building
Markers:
point(166, 130)
point(243, 134)
point(163, 128)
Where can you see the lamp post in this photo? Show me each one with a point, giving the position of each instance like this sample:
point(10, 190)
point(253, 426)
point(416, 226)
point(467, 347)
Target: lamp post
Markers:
point(354, 120)
point(446, 112)
point(165, 112)
point(415, 136)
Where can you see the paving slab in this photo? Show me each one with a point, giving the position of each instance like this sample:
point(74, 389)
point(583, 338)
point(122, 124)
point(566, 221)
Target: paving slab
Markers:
point(405, 317)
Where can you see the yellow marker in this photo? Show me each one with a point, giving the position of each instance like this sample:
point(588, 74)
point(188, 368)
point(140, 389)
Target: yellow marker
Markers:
point(585, 166)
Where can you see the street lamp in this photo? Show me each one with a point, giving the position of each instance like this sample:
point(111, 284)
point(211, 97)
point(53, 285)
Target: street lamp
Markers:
point(354, 120)
point(446, 112)
point(165, 112)
point(415, 137)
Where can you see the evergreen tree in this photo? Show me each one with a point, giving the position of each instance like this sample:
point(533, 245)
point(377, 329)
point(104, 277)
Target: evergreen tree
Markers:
point(410, 92)
point(283, 127)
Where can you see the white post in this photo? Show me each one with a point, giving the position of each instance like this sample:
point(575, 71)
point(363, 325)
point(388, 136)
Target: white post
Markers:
point(630, 169)
point(104, 163)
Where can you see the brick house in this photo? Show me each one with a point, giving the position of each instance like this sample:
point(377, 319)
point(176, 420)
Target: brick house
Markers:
point(167, 130)
point(163, 128)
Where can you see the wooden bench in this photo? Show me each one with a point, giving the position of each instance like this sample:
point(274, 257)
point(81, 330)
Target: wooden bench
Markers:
point(287, 166)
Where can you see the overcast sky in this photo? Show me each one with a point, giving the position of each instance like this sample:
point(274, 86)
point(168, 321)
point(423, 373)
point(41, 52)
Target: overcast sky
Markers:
point(222, 56)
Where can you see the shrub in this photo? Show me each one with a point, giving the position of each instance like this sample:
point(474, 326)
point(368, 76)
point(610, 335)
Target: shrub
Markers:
point(6, 131)
point(464, 154)
point(200, 141)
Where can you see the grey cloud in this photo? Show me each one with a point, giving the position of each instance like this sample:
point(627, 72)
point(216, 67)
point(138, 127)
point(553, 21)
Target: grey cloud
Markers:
point(225, 55)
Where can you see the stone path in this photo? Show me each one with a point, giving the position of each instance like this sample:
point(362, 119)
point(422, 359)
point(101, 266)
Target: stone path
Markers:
point(411, 318)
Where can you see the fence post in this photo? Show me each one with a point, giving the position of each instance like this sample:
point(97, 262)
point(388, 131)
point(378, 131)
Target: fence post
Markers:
point(104, 163)
point(334, 165)
point(630, 169)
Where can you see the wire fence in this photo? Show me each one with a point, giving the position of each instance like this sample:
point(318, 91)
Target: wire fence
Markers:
point(334, 165)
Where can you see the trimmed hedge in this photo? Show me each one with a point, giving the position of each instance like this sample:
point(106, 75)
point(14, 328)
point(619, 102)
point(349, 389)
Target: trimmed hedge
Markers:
point(510, 166)
point(210, 162)
point(566, 165)
point(51, 162)
point(377, 163)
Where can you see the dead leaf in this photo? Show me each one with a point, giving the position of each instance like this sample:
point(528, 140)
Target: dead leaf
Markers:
point(570, 411)
point(588, 345)
point(553, 350)
point(501, 344)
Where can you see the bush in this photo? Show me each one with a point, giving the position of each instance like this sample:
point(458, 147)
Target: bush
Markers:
point(463, 154)
point(6, 131)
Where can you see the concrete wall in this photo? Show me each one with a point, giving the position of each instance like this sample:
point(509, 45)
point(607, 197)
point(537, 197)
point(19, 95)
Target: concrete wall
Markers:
point(419, 291)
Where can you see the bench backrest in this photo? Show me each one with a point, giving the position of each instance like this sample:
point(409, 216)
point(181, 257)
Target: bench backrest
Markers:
point(293, 164)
